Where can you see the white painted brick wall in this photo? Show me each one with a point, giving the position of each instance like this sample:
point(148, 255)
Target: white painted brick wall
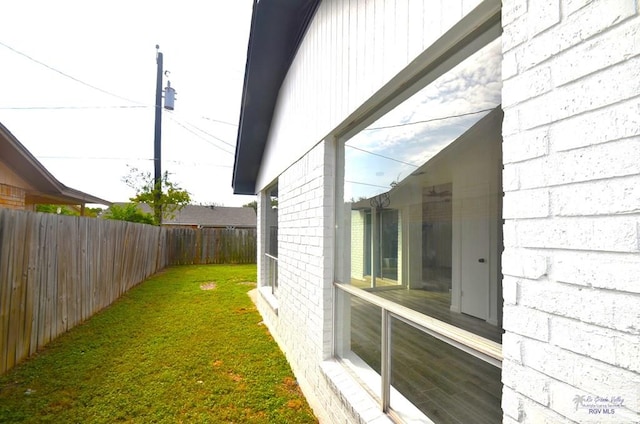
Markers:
point(593, 269)
point(586, 129)
point(526, 145)
point(571, 178)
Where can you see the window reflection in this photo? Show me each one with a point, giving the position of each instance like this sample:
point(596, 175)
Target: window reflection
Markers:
point(270, 265)
point(423, 190)
point(442, 382)
point(437, 228)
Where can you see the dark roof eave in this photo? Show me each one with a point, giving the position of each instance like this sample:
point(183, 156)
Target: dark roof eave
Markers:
point(277, 29)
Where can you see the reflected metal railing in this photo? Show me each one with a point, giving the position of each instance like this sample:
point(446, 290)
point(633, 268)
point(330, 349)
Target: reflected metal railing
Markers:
point(271, 272)
point(481, 348)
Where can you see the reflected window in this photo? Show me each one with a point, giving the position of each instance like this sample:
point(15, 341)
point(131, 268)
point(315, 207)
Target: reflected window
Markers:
point(455, 387)
point(270, 204)
point(423, 190)
point(420, 225)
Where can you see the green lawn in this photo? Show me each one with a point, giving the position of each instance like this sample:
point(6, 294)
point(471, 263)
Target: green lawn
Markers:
point(167, 351)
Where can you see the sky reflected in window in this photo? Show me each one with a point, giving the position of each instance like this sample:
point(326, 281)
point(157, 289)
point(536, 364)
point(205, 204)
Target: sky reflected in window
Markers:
point(390, 149)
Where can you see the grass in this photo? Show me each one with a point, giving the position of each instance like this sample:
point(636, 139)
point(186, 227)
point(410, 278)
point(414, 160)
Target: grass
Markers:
point(167, 351)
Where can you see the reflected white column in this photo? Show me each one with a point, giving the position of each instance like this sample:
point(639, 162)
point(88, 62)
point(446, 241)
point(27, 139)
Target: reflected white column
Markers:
point(375, 247)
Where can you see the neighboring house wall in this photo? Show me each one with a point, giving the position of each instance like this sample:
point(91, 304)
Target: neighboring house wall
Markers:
point(12, 197)
point(572, 191)
point(12, 189)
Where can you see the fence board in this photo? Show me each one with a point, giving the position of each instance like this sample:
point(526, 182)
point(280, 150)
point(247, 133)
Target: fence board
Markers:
point(51, 320)
point(4, 287)
point(24, 316)
point(32, 257)
point(14, 282)
point(62, 268)
point(41, 286)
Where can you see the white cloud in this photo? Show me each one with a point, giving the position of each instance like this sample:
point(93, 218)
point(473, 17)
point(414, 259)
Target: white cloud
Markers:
point(472, 86)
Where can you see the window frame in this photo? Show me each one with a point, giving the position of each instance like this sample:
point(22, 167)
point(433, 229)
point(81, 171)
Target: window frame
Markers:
point(451, 49)
point(268, 258)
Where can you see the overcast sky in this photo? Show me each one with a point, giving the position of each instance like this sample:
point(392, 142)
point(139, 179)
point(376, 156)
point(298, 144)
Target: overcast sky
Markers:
point(87, 137)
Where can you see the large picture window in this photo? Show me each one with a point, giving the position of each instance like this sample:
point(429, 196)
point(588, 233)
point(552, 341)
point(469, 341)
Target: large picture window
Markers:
point(420, 237)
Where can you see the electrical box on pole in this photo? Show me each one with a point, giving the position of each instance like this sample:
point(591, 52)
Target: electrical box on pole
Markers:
point(169, 96)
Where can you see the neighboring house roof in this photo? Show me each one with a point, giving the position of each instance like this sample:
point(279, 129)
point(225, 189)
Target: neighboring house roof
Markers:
point(45, 188)
point(213, 216)
point(209, 216)
point(277, 29)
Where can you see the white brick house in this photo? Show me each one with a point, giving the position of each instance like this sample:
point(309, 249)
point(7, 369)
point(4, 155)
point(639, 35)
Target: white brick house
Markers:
point(456, 236)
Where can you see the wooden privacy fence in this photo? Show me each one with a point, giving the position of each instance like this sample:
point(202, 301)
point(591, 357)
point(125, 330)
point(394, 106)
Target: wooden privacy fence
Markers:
point(57, 271)
point(211, 246)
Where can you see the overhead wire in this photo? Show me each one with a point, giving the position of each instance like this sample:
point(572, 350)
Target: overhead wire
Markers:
point(404, 124)
point(132, 159)
point(201, 137)
point(401, 125)
point(219, 121)
point(69, 76)
point(367, 184)
point(137, 104)
point(172, 116)
point(460, 115)
point(74, 107)
point(142, 105)
point(379, 155)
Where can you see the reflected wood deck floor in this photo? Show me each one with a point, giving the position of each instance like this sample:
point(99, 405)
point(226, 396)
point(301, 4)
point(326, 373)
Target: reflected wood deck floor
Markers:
point(448, 385)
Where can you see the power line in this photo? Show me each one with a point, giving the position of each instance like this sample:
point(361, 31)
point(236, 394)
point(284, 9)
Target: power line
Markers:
point(217, 138)
point(367, 184)
point(67, 75)
point(413, 123)
point(219, 121)
point(90, 158)
point(215, 165)
point(382, 156)
point(74, 107)
point(429, 120)
point(203, 131)
point(199, 136)
point(138, 104)
point(133, 159)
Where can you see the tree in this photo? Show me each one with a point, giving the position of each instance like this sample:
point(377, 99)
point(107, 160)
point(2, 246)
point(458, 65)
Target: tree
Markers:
point(57, 209)
point(68, 210)
point(253, 205)
point(128, 212)
point(172, 196)
point(92, 212)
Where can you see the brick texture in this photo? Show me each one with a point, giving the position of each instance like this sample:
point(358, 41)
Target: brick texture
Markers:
point(12, 197)
point(572, 210)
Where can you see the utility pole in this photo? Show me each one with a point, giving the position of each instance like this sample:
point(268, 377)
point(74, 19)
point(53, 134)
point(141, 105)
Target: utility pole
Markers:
point(169, 99)
point(157, 150)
